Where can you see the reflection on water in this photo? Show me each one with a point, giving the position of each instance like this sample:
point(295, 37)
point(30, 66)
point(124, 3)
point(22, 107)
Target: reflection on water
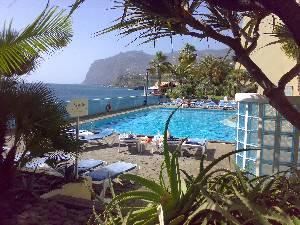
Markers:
point(230, 122)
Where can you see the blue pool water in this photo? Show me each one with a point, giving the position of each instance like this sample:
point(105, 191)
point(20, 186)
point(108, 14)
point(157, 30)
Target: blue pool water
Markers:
point(216, 125)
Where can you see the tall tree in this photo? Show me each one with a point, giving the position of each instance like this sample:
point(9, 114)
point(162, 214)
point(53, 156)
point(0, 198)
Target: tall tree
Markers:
point(222, 21)
point(239, 81)
point(159, 66)
point(188, 54)
point(31, 106)
point(183, 70)
point(212, 73)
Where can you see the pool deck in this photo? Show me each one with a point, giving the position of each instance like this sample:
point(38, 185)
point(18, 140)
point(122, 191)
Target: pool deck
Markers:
point(149, 164)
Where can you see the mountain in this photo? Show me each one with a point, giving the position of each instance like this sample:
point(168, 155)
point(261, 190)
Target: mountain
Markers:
point(106, 71)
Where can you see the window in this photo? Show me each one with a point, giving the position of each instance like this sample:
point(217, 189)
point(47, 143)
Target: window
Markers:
point(288, 91)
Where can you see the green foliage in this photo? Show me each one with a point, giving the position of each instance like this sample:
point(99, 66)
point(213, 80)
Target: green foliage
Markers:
point(214, 196)
point(181, 91)
point(212, 73)
point(210, 76)
point(240, 81)
point(285, 38)
point(20, 51)
point(187, 55)
point(40, 126)
point(184, 70)
point(217, 98)
point(159, 66)
point(40, 118)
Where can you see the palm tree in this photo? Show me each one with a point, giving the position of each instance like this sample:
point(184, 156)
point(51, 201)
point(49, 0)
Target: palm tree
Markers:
point(184, 70)
point(188, 54)
point(20, 52)
point(239, 81)
point(213, 72)
point(40, 123)
point(159, 66)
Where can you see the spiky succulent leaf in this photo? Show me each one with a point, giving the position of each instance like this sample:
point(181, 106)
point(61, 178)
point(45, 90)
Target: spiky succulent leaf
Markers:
point(151, 185)
point(131, 195)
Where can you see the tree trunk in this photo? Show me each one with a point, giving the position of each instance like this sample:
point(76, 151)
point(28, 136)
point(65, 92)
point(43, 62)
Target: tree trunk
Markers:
point(159, 79)
point(2, 138)
point(7, 167)
point(279, 101)
point(276, 96)
point(7, 172)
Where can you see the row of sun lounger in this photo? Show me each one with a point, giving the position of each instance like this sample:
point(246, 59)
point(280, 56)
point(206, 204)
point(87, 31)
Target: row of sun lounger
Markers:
point(197, 143)
point(97, 170)
point(139, 141)
point(226, 105)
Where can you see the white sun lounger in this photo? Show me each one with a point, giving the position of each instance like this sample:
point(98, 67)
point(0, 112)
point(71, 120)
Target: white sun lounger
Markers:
point(111, 171)
point(81, 132)
point(196, 143)
point(128, 139)
point(40, 162)
point(86, 165)
point(103, 174)
point(158, 142)
point(98, 136)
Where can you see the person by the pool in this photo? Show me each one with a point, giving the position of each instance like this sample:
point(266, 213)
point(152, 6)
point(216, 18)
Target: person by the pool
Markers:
point(169, 134)
point(108, 107)
point(161, 137)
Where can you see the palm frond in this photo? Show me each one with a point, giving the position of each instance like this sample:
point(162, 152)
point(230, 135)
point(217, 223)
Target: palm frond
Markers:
point(286, 40)
point(19, 51)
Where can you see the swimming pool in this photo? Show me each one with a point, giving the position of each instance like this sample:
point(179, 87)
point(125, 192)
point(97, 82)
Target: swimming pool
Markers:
point(216, 125)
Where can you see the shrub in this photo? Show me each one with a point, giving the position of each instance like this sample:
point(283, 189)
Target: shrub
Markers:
point(174, 93)
point(181, 91)
point(40, 125)
point(217, 98)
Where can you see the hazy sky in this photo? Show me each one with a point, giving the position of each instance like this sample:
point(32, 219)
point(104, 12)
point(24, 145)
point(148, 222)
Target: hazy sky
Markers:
point(72, 63)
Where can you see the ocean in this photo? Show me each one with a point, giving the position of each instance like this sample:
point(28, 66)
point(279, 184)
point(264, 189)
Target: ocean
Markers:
point(72, 91)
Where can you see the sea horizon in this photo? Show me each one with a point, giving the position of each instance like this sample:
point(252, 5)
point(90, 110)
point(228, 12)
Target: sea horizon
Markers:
point(67, 92)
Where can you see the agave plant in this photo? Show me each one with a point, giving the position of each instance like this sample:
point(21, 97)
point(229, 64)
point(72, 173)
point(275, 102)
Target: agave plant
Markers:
point(214, 196)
